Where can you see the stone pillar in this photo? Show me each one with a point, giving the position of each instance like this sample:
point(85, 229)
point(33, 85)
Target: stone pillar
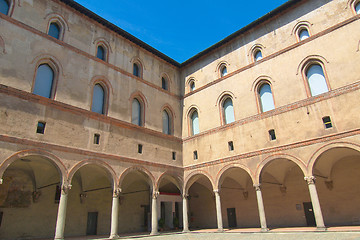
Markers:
point(154, 219)
point(218, 211)
point(60, 222)
point(115, 214)
point(185, 214)
point(315, 203)
point(261, 209)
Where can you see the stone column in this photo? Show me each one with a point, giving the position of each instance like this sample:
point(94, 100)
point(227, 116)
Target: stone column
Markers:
point(154, 219)
point(218, 211)
point(115, 214)
point(315, 203)
point(261, 208)
point(185, 214)
point(60, 222)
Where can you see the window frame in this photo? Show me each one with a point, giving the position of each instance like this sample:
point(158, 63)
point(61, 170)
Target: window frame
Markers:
point(170, 114)
point(103, 85)
point(222, 108)
point(142, 110)
point(221, 68)
point(306, 67)
point(55, 70)
point(105, 49)
point(11, 8)
point(190, 122)
point(140, 69)
point(60, 24)
point(189, 83)
point(167, 81)
point(258, 97)
point(353, 5)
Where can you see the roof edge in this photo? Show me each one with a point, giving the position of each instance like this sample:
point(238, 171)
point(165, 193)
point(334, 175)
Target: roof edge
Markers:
point(81, 9)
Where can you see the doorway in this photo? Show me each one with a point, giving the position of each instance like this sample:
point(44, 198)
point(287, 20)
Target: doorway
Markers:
point(91, 228)
point(231, 217)
point(309, 214)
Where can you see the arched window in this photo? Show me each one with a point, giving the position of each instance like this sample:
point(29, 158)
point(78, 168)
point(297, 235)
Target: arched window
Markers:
point(228, 111)
point(316, 80)
point(266, 98)
point(164, 83)
point(303, 34)
point(44, 81)
point(98, 99)
point(194, 123)
point(4, 7)
point(223, 71)
point(166, 123)
point(357, 8)
point(136, 117)
point(54, 30)
point(101, 53)
point(258, 55)
point(192, 85)
point(136, 69)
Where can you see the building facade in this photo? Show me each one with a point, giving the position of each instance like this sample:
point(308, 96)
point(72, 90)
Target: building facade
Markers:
point(102, 134)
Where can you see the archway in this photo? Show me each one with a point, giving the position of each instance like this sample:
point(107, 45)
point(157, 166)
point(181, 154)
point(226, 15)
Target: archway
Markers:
point(238, 198)
point(135, 200)
point(286, 196)
point(169, 203)
point(337, 175)
point(202, 209)
point(90, 200)
point(29, 197)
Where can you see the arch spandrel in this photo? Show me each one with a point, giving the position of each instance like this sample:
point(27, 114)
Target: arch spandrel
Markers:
point(274, 157)
point(223, 171)
point(108, 169)
point(54, 160)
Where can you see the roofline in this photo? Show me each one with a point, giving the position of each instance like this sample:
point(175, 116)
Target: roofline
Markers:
point(257, 22)
point(78, 7)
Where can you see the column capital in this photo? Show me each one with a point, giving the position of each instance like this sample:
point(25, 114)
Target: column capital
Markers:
point(216, 191)
point(155, 194)
point(65, 188)
point(257, 187)
point(116, 192)
point(1, 181)
point(185, 196)
point(310, 180)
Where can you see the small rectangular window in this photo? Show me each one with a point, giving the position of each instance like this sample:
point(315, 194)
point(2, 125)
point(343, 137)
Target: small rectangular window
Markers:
point(327, 122)
point(57, 193)
point(140, 148)
point(173, 155)
point(231, 146)
point(195, 155)
point(97, 138)
point(40, 127)
point(272, 135)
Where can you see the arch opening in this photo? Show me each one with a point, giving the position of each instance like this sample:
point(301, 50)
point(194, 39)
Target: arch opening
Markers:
point(28, 197)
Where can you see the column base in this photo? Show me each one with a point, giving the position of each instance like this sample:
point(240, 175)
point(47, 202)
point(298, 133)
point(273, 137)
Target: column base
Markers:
point(154, 233)
point(115, 236)
point(264, 229)
point(220, 230)
point(58, 238)
point(186, 231)
point(321, 229)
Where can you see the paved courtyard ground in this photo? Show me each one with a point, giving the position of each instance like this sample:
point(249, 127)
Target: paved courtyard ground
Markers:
point(305, 233)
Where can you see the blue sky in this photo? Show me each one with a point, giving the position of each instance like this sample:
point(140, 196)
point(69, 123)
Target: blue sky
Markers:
point(181, 29)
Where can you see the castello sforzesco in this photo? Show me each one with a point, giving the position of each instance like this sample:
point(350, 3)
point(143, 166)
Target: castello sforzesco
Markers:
point(102, 134)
